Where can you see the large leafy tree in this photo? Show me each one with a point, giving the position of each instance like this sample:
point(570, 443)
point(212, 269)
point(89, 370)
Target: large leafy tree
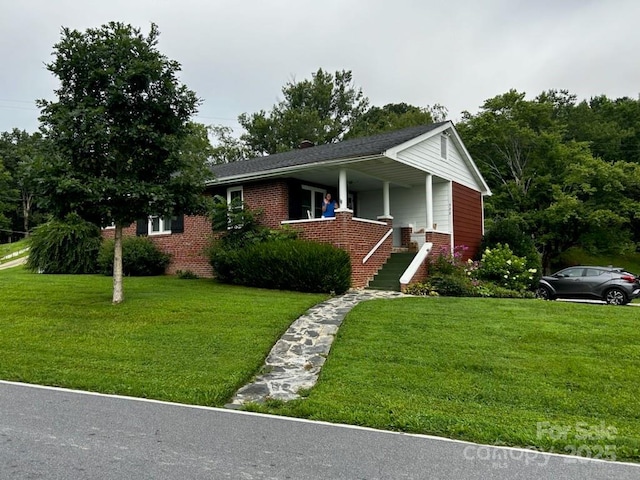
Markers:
point(394, 116)
point(23, 154)
point(320, 110)
point(548, 181)
point(227, 148)
point(120, 125)
point(7, 198)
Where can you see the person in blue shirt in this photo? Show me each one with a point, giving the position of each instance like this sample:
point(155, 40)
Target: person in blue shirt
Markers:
point(328, 206)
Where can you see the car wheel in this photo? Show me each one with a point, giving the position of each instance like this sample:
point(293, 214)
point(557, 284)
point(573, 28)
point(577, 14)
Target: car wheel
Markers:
point(615, 296)
point(544, 293)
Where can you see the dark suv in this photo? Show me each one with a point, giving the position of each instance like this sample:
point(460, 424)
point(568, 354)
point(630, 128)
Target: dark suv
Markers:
point(612, 285)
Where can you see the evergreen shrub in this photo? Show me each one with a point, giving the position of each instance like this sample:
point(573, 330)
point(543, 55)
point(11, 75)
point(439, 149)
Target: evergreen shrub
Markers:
point(140, 257)
point(297, 265)
point(67, 246)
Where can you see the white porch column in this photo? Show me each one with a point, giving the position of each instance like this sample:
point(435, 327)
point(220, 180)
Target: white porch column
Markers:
point(342, 189)
point(429, 191)
point(385, 200)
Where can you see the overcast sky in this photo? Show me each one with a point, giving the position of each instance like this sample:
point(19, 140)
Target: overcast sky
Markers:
point(237, 54)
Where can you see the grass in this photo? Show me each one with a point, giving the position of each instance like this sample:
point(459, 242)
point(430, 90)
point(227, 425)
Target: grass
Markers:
point(578, 256)
point(557, 376)
point(189, 341)
point(9, 248)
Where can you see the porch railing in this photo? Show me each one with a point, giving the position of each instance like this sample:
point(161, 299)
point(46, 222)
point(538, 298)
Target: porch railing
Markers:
point(377, 246)
point(416, 263)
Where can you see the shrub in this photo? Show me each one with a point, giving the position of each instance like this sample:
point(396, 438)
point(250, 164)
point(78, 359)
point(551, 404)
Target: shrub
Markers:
point(511, 231)
point(452, 285)
point(297, 265)
point(500, 274)
point(140, 257)
point(186, 275)
point(500, 266)
point(447, 263)
point(64, 246)
point(252, 255)
point(489, 289)
point(422, 288)
point(508, 231)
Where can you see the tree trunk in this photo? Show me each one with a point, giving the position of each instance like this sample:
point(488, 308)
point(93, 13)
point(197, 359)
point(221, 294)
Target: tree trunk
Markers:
point(118, 295)
point(26, 210)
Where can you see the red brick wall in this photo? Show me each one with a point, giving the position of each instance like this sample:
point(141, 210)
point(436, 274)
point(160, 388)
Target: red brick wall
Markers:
point(186, 249)
point(271, 197)
point(467, 219)
point(356, 237)
point(440, 242)
point(405, 236)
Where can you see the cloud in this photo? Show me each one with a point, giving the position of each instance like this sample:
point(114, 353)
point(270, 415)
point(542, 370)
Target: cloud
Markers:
point(237, 55)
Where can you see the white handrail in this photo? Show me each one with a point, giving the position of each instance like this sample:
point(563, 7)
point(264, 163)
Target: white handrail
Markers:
point(377, 246)
point(415, 263)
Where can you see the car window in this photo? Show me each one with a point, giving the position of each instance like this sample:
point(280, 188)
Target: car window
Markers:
point(572, 272)
point(593, 272)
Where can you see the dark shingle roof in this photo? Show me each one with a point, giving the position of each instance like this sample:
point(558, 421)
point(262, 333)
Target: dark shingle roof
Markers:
point(357, 147)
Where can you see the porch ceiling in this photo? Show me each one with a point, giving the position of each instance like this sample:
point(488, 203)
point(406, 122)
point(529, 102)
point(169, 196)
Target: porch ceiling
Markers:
point(365, 175)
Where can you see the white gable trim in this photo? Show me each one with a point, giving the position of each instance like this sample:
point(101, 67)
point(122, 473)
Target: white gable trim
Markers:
point(393, 153)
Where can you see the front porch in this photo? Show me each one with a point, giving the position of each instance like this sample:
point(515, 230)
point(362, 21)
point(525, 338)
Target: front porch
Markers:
point(368, 242)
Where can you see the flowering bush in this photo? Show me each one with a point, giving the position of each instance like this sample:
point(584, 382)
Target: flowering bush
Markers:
point(500, 266)
point(446, 262)
point(499, 273)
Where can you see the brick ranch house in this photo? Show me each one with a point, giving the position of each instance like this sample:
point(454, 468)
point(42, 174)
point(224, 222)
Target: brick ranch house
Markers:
point(397, 189)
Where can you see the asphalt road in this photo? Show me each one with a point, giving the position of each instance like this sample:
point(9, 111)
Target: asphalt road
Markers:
point(60, 434)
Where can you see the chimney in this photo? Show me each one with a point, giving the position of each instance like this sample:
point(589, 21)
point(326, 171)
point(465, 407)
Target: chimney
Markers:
point(306, 144)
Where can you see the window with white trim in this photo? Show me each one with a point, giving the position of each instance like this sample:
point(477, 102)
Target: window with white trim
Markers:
point(159, 225)
point(443, 146)
point(312, 201)
point(235, 196)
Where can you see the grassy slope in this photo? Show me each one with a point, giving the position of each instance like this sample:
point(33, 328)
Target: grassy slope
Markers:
point(577, 256)
point(9, 248)
point(191, 341)
point(494, 371)
point(486, 370)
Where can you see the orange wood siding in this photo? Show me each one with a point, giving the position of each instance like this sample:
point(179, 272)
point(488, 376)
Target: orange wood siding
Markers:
point(467, 219)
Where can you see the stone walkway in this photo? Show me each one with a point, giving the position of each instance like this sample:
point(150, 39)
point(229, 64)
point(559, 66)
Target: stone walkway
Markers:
point(295, 361)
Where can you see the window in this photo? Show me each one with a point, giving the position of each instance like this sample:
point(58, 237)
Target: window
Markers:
point(312, 201)
point(234, 195)
point(443, 146)
point(156, 225)
point(573, 272)
point(159, 225)
point(593, 272)
point(235, 207)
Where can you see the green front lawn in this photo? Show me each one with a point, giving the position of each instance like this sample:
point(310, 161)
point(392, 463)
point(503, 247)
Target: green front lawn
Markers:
point(190, 341)
point(558, 376)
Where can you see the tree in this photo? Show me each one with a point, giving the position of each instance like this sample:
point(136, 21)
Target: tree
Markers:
point(394, 116)
point(120, 125)
point(320, 110)
point(546, 181)
point(23, 154)
point(227, 147)
point(6, 198)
